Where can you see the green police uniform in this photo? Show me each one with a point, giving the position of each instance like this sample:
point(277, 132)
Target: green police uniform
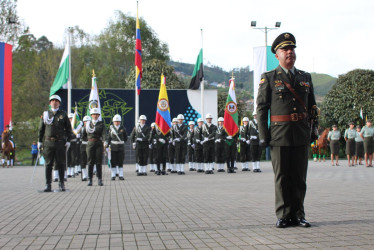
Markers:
point(197, 141)
point(191, 149)
point(245, 156)
point(160, 144)
point(180, 141)
point(255, 147)
point(83, 153)
point(349, 136)
point(140, 136)
point(368, 133)
point(56, 130)
point(219, 148)
point(96, 135)
point(209, 134)
point(231, 151)
point(288, 136)
point(334, 137)
point(117, 136)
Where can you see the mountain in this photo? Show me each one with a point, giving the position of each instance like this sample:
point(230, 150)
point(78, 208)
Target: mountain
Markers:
point(244, 77)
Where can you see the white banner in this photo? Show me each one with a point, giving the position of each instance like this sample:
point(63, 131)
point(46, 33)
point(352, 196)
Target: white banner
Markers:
point(259, 67)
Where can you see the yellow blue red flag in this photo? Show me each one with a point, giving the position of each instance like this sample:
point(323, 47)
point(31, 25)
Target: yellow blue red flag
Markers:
point(163, 120)
point(138, 56)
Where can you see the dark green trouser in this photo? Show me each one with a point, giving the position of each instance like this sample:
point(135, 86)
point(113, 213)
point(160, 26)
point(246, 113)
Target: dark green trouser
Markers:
point(54, 153)
point(95, 156)
point(290, 165)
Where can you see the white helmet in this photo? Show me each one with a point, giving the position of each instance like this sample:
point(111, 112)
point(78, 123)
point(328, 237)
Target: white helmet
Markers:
point(54, 97)
point(200, 120)
point(208, 116)
point(94, 111)
point(153, 124)
point(191, 123)
point(71, 115)
point(245, 119)
point(117, 118)
point(180, 117)
point(142, 117)
point(86, 118)
point(220, 119)
point(175, 120)
point(254, 112)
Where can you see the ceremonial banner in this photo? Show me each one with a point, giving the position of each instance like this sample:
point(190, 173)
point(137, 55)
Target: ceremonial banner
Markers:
point(163, 120)
point(138, 56)
point(197, 74)
point(230, 122)
point(62, 77)
point(5, 85)
point(94, 101)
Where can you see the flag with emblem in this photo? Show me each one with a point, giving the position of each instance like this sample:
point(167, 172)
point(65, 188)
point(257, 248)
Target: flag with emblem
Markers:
point(94, 101)
point(138, 56)
point(163, 119)
point(76, 120)
point(230, 122)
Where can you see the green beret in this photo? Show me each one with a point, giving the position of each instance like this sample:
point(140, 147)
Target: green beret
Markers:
point(282, 41)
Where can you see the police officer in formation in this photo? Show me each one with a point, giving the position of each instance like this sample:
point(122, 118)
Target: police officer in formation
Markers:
point(152, 151)
point(209, 134)
point(359, 151)
point(117, 136)
point(289, 95)
point(231, 151)
point(333, 137)
point(244, 144)
point(254, 145)
point(55, 129)
point(160, 144)
point(198, 142)
point(140, 139)
point(220, 141)
point(96, 135)
point(83, 148)
point(171, 149)
point(191, 146)
point(73, 152)
point(367, 134)
point(349, 137)
point(180, 142)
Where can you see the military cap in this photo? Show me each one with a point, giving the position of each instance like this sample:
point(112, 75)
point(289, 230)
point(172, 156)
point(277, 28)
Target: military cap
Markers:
point(358, 126)
point(334, 126)
point(351, 123)
point(282, 41)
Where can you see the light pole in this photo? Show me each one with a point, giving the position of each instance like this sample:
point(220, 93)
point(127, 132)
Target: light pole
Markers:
point(265, 29)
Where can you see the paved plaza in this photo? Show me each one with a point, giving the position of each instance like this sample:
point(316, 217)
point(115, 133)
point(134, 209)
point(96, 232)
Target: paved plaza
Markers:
point(194, 211)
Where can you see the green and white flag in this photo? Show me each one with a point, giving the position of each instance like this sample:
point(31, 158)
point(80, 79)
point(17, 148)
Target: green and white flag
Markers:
point(94, 101)
point(62, 77)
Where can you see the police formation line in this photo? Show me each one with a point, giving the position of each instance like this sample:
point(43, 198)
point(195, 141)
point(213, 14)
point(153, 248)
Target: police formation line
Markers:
point(69, 149)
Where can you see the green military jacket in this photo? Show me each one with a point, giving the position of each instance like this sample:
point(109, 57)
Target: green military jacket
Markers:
point(158, 138)
point(190, 136)
point(116, 138)
point(95, 132)
point(253, 133)
point(180, 131)
point(220, 135)
point(209, 132)
point(244, 132)
point(140, 135)
point(274, 96)
point(55, 126)
point(198, 137)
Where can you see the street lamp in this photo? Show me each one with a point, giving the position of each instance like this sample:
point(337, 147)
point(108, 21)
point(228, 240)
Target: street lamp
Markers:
point(265, 30)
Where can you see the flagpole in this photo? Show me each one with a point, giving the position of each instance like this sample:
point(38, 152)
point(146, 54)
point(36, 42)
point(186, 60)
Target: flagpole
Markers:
point(136, 88)
point(69, 79)
point(202, 81)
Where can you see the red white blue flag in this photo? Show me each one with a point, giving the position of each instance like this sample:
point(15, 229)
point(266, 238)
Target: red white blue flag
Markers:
point(138, 56)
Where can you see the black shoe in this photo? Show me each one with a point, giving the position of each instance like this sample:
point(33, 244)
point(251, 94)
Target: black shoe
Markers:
point(69, 176)
point(121, 178)
point(65, 179)
point(164, 172)
point(169, 170)
point(207, 172)
point(145, 174)
point(183, 173)
point(113, 178)
point(304, 223)
point(137, 171)
point(236, 168)
point(254, 170)
point(158, 172)
point(84, 179)
point(117, 175)
point(48, 188)
point(282, 223)
point(62, 187)
point(245, 169)
point(100, 182)
point(152, 170)
point(294, 222)
point(259, 171)
point(55, 179)
point(179, 172)
point(173, 171)
point(139, 174)
point(191, 169)
point(89, 182)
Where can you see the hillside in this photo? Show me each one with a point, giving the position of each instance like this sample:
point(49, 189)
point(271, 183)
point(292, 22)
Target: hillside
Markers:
point(244, 77)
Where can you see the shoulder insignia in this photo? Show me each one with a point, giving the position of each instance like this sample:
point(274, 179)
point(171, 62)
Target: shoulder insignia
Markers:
point(262, 81)
point(305, 84)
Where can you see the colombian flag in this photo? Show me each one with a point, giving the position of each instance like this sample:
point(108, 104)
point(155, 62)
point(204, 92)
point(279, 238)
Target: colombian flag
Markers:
point(138, 56)
point(5, 85)
point(163, 120)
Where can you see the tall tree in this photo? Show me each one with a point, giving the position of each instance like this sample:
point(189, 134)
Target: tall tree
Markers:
point(10, 25)
point(353, 91)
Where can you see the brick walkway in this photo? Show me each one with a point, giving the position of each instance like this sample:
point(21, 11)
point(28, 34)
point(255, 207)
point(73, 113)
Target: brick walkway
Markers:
point(195, 211)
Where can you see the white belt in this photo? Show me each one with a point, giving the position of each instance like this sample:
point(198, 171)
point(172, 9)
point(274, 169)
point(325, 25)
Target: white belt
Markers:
point(73, 140)
point(84, 142)
point(117, 142)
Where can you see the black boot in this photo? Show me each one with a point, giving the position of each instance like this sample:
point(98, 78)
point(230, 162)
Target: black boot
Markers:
point(62, 187)
point(89, 182)
point(48, 188)
point(100, 182)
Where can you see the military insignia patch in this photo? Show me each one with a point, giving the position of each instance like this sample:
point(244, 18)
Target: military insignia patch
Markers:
point(286, 35)
point(279, 84)
point(61, 117)
point(262, 81)
point(121, 130)
point(305, 84)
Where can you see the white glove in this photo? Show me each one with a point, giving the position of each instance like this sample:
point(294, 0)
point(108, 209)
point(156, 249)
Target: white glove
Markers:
point(206, 139)
point(189, 143)
point(248, 142)
point(161, 140)
point(173, 143)
point(218, 140)
point(243, 139)
point(177, 139)
point(229, 137)
point(134, 145)
point(154, 141)
point(67, 145)
point(193, 146)
point(150, 146)
point(139, 139)
point(40, 145)
point(198, 141)
point(78, 136)
point(253, 137)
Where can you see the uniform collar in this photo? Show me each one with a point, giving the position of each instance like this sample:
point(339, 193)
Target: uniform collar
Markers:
point(293, 70)
point(54, 110)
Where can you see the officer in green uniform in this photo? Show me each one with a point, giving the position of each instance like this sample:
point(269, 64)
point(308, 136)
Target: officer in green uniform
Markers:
point(255, 148)
point(140, 137)
point(180, 142)
point(209, 134)
point(191, 146)
point(349, 137)
point(231, 151)
point(367, 134)
point(289, 131)
point(359, 151)
point(333, 137)
point(160, 144)
point(55, 128)
point(198, 142)
point(73, 153)
point(245, 156)
point(152, 151)
point(96, 134)
point(220, 141)
point(83, 148)
point(171, 148)
point(117, 136)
